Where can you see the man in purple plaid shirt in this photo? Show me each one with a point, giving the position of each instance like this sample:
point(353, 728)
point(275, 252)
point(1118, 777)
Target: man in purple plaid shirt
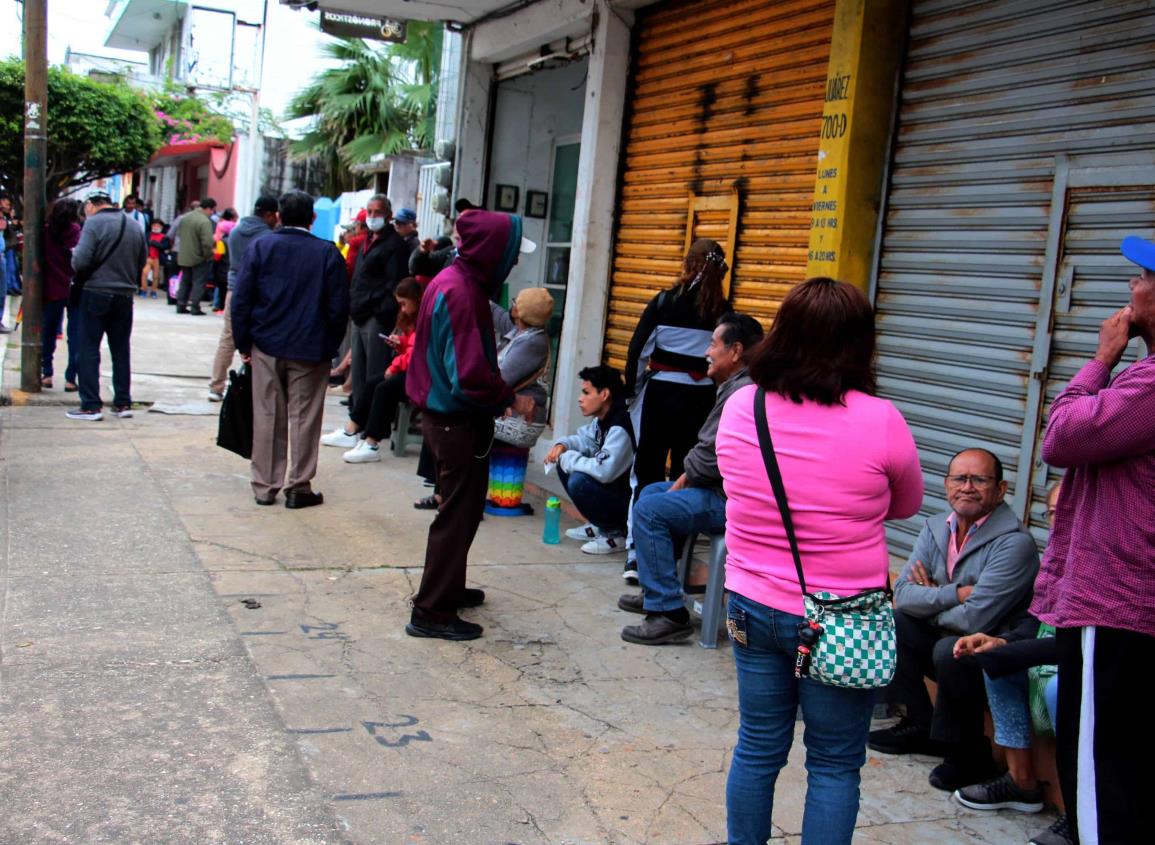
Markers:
point(1097, 580)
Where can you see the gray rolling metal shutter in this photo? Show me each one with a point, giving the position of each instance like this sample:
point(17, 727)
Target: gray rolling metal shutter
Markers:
point(998, 98)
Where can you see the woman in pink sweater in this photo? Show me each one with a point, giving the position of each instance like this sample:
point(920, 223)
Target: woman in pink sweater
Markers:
point(848, 463)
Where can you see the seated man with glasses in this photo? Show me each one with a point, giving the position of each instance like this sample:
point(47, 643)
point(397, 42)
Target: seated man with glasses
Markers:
point(971, 571)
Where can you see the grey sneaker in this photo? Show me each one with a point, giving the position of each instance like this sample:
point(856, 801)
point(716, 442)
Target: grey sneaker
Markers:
point(1001, 793)
point(85, 414)
point(657, 630)
point(1057, 834)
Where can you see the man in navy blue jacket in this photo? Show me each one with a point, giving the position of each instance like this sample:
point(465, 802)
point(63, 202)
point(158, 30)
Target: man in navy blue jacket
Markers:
point(289, 310)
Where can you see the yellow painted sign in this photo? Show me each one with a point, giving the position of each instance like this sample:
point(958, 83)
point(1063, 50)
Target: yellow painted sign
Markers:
point(856, 119)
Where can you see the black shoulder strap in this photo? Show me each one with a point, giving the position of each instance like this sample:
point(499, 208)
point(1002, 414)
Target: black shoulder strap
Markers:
point(775, 475)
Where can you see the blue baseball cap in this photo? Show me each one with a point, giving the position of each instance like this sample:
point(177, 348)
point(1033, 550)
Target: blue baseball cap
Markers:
point(405, 215)
point(1139, 251)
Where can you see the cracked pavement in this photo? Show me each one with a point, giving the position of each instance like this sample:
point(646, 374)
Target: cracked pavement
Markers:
point(141, 700)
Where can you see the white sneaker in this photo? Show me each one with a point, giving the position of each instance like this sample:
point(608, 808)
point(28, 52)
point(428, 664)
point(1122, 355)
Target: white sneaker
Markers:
point(340, 437)
point(362, 453)
point(604, 544)
point(583, 532)
point(216, 397)
point(81, 414)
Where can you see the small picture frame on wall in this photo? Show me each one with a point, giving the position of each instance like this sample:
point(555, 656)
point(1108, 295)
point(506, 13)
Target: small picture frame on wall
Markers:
point(506, 198)
point(536, 204)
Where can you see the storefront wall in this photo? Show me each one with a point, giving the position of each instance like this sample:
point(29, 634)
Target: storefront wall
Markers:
point(722, 136)
point(1023, 155)
point(532, 114)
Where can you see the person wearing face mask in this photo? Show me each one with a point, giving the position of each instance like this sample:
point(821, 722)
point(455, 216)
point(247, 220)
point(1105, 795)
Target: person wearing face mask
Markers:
point(382, 262)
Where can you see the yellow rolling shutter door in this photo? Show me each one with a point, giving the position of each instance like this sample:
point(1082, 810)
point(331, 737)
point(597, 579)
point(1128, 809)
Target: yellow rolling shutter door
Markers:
point(726, 96)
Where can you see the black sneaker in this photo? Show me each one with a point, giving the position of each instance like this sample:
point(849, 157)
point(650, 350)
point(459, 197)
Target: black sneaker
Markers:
point(1059, 833)
point(904, 738)
point(952, 774)
point(657, 630)
point(630, 573)
point(456, 630)
point(1001, 793)
point(471, 597)
point(632, 603)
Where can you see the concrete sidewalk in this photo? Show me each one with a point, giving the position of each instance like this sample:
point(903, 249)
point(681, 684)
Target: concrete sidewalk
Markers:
point(142, 700)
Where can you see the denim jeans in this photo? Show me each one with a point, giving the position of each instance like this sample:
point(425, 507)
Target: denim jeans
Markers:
point(51, 323)
point(605, 505)
point(111, 314)
point(836, 721)
point(1010, 709)
point(659, 517)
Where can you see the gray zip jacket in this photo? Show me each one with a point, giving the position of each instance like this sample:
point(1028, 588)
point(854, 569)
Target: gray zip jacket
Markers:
point(603, 452)
point(120, 272)
point(701, 463)
point(999, 560)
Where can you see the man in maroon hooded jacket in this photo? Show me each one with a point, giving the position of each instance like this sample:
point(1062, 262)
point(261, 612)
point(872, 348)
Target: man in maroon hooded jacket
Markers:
point(454, 379)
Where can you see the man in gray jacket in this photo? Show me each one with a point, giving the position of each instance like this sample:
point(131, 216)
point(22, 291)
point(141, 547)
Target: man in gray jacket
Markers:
point(260, 222)
point(108, 261)
point(971, 571)
point(693, 503)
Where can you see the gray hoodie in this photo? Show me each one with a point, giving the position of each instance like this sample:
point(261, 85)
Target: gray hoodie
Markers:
point(120, 271)
point(1000, 560)
point(244, 233)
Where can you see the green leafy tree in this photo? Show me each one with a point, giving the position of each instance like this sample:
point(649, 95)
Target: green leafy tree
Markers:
point(189, 120)
point(94, 129)
point(380, 100)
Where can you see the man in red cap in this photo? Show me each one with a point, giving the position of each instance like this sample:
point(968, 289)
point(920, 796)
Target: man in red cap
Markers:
point(1094, 585)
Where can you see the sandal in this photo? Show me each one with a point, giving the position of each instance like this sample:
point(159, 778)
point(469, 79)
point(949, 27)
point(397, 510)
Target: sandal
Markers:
point(69, 387)
point(429, 503)
point(46, 381)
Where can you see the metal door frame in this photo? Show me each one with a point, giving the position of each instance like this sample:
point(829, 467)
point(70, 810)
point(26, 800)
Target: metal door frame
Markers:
point(1087, 171)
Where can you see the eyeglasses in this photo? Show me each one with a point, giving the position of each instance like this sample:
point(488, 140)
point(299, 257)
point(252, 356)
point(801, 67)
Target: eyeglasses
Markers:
point(979, 481)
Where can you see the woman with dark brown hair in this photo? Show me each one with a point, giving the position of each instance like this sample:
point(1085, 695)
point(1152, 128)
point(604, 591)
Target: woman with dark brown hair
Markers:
point(666, 367)
point(848, 462)
point(61, 234)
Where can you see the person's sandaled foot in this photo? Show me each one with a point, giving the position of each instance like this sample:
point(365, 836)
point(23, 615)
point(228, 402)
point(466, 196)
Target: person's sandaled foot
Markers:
point(428, 503)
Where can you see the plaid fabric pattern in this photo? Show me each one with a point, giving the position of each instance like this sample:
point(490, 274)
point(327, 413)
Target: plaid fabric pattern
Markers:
point(858, 647)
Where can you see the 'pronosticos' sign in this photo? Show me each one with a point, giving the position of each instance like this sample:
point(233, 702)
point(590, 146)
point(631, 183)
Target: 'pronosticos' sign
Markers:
point(353, 25)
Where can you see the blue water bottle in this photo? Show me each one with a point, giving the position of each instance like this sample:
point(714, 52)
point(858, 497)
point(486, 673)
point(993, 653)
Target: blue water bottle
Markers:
point(552, 533)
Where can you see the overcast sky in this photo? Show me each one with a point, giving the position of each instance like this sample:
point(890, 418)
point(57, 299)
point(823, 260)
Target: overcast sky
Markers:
point(292, 50)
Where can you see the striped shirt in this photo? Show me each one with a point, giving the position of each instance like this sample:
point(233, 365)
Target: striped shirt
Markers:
point(1099, 567)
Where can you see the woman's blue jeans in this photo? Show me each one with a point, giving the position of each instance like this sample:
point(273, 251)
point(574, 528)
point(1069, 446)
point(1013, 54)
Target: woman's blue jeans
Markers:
point(836, 721)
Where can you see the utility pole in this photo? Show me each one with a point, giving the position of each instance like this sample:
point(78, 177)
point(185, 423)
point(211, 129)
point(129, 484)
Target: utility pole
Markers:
point(35, 149)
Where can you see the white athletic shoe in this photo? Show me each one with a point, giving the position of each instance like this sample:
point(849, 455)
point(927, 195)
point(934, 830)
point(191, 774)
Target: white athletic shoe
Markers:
point(216, 397)
point(340, 437)
point(362, 453)
point(604, 545)
point(584, 532)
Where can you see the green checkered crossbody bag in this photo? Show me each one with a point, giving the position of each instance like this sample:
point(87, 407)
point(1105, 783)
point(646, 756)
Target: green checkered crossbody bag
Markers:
point(846, 641)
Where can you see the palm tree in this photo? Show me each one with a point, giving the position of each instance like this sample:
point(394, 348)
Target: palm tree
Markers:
point(381, 99)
